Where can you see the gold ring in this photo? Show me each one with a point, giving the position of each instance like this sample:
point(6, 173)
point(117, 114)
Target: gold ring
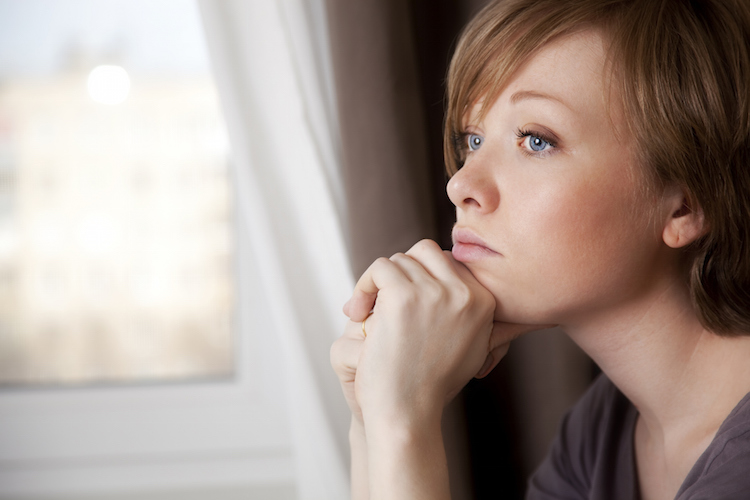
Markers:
point(364, 332)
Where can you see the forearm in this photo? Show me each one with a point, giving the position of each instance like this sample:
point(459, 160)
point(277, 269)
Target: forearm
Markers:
point(359, 469)
point(408, 462)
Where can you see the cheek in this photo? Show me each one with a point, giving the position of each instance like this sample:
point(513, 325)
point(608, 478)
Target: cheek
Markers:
point(575, 243)
point(583, 221)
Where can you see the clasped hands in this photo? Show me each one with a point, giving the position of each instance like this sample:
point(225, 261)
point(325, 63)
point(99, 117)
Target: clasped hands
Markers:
point(430, 329)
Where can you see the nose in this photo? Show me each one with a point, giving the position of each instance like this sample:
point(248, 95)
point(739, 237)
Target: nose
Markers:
point(474, 188)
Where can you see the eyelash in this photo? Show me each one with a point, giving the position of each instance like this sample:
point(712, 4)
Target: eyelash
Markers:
point(524, 133)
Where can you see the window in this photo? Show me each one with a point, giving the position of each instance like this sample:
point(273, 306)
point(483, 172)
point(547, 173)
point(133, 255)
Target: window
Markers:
point(116, 236)
point(126, 363)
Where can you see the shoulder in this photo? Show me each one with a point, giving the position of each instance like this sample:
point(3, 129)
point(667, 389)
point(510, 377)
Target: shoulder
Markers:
point(594, 435)
point(723, 470)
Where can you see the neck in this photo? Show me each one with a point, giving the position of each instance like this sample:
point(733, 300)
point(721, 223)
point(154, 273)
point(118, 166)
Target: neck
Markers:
point(683, 379)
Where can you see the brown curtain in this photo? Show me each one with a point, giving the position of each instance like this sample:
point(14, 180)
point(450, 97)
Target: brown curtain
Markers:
point(390, 59)
point(383, 128)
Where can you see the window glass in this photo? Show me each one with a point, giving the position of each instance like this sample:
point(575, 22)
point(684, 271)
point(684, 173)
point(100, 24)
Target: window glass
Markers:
point(116, 216)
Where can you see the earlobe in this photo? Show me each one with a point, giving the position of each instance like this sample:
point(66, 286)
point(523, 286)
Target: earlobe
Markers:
point(684, 225)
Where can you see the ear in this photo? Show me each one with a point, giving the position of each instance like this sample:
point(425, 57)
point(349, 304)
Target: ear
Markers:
point(684, 222)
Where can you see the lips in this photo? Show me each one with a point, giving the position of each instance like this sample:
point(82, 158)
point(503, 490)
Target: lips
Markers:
point(468, 247)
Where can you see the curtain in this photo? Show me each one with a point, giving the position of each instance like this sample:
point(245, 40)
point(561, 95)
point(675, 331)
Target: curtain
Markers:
point(271, 62)
point(384, 146)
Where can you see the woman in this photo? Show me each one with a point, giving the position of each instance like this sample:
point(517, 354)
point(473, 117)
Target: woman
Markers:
point(600, 152)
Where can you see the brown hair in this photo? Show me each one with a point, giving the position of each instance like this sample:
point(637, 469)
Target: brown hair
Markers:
point(682, 70)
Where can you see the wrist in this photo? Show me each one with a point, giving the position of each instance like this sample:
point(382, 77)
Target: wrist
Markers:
point(359, 465)
point(357, 432)
point(407, 461)
point(406, 413)
point(403, 431)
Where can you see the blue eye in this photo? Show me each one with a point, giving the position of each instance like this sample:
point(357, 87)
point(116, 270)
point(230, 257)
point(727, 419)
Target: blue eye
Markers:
point(475, 141)
point(537, 143)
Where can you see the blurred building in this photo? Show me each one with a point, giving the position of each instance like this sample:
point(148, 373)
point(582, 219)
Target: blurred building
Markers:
point(116, 232)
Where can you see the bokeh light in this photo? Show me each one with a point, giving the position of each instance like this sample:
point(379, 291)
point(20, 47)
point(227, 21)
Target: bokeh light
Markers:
point(108, 84)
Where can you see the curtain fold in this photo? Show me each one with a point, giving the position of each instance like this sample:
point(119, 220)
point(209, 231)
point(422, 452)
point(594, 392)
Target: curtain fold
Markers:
point(271, 64)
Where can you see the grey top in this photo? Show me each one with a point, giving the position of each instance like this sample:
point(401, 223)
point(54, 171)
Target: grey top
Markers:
point(593, 457)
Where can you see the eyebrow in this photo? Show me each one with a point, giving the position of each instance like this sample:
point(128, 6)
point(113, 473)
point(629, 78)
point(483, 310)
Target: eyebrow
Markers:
point(533, 94)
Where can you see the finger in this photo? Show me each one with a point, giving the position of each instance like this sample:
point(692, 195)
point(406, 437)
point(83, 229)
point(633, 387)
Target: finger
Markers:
point(345, 352)
point(432, 258)
point(411, 268)
point(493, 358)
point(353, 329)
point(364, 326)
point(380, 274)
point(459, 268)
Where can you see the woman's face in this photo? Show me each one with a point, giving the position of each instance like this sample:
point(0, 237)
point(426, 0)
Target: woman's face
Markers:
point(550, 216)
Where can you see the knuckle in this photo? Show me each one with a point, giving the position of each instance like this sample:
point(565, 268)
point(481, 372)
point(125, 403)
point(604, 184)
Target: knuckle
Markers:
point(464, 296)
point(381, 262)
point(408, 296)
point(397, 255)
point(423, 246)
point(436, 292)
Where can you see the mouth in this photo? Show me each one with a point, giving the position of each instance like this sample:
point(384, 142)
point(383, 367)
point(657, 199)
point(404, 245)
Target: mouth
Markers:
point(468, 247)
